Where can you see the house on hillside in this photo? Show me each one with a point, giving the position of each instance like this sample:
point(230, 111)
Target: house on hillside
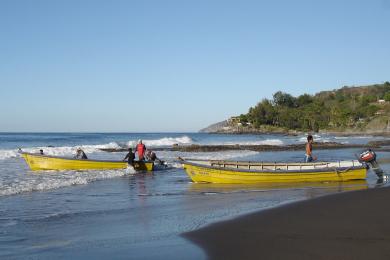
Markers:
point(234, 120)
point(237, 121)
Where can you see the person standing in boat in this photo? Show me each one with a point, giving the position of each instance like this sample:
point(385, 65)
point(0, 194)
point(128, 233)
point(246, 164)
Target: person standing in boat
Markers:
point(309, 150)
point(140, 149)
point(130, 157)
point(80, 154)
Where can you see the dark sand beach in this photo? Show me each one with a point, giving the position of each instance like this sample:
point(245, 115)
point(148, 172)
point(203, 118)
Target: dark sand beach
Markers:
point(352, 225)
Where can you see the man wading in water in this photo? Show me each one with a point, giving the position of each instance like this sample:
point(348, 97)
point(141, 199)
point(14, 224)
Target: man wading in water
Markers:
point(309, 148)
point(80, 154)
point(130, 156)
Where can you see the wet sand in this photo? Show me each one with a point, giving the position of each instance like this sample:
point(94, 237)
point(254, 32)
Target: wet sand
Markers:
point(352, 225)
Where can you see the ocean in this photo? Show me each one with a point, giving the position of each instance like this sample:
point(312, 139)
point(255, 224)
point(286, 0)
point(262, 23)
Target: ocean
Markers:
point(118, 214)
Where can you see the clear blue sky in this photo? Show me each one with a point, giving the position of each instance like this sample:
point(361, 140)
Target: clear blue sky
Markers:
point(152, 66)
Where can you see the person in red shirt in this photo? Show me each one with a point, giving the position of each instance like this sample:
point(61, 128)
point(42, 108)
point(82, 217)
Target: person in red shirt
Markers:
point(140, 149)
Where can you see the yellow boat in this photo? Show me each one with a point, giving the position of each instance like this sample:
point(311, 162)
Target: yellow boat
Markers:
point(202, 171)
point(46, 162)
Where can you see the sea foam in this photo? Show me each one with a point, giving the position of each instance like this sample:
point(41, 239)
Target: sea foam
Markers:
point(264, 142)
point(58, 151)
point(71, 150)
point(163, 142)
point(47, 180)
point(6, 154)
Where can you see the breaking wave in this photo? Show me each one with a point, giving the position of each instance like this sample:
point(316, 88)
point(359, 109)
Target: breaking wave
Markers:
point(164, 142)
point(262, 142)
point(53, 180)
point(71, 150)
point(6, 154)
point(58, 151)
point(317, 138)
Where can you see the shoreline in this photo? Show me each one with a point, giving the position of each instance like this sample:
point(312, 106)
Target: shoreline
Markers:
point(348, 225)
point(292, 132)
point(261, 148)
point(295, 133)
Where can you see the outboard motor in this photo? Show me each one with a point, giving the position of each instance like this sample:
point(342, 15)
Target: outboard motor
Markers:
point(369, 158)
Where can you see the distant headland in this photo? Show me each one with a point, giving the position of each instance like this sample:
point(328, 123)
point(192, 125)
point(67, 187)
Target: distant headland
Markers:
point(345, 111)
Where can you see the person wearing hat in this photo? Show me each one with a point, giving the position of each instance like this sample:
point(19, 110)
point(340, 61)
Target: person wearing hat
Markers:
point(140, 149)
point(80, 154)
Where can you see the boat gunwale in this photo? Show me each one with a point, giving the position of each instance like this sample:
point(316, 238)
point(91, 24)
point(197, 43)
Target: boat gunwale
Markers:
point(253, 163)
point(82, 160)
point(317, 170)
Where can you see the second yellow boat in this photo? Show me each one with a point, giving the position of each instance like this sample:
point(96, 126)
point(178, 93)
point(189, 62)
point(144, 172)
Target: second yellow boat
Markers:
point(261, 172)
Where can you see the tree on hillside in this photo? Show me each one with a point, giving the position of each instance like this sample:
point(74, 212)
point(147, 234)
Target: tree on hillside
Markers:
point(243, 119)
point(284, 99)
point(262, 113)
point(304, 99)
point(367, 99)
point(339, 96)
point(387, 96)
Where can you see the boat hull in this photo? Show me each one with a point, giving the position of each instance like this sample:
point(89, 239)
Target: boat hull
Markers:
point(209, 174)
point(43, 162)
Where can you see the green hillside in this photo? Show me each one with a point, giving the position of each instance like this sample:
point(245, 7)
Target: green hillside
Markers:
point(346, 108)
